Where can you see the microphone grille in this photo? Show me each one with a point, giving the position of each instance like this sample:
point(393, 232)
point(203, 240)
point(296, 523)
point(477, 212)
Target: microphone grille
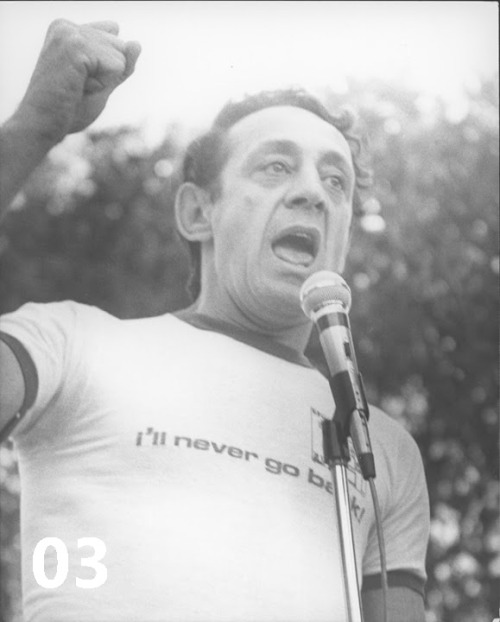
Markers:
point(323, 288)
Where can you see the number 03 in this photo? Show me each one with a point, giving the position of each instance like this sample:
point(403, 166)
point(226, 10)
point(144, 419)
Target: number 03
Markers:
point(101, 572)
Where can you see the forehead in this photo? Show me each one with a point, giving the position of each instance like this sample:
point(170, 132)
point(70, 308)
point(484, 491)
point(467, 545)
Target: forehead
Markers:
point(290, 124)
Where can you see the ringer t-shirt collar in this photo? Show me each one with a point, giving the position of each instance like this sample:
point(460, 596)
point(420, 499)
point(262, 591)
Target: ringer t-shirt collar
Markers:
point(256, 340)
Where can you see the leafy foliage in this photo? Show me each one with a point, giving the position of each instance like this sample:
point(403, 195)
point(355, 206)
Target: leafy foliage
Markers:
point(425, 312)
point(95, 224)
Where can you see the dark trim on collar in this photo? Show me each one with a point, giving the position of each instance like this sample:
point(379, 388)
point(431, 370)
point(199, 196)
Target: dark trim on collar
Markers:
point(255, 340)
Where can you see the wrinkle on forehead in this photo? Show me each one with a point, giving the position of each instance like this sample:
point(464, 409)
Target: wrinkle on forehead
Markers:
point(289, 127)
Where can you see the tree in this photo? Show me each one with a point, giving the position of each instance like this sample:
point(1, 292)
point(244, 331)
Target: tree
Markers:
point(95, 224)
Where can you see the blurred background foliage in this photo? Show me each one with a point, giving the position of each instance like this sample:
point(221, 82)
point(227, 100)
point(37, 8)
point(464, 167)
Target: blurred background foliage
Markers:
point(95, 224)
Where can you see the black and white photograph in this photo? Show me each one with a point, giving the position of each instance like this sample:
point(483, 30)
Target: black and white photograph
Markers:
point(249, 302)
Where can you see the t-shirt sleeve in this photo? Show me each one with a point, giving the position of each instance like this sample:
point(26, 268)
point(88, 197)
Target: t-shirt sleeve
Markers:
point(45, 333)
point(405, 521)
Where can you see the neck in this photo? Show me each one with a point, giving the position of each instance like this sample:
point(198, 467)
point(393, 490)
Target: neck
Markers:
point(294, 336)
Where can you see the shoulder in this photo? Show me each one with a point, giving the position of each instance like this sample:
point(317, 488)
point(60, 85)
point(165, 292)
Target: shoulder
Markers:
point(404, 504)
point(53, 326)
point(391, 438)
point(387, 424)
point(61, 311)
point(398, 462)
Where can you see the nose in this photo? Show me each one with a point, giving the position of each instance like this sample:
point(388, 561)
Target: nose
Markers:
point(306, 191)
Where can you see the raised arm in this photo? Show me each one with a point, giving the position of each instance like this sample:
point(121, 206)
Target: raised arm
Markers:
point(78, 69)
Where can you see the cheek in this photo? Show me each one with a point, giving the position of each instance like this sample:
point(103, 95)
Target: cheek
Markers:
point(339, 231)
point(238, 221)
point(343, 214)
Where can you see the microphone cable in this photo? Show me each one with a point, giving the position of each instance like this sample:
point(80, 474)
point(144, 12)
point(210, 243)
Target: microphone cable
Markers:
point(381, 546)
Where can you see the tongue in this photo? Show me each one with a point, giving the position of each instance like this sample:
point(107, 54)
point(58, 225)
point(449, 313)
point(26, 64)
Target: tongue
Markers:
point(293, 251)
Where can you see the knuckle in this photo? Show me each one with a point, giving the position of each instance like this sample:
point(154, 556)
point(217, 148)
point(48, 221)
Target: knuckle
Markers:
point(66, 35)
point(60, 27)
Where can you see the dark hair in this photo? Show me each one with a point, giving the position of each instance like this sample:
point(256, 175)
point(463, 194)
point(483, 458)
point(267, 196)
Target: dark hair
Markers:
point(206, 155)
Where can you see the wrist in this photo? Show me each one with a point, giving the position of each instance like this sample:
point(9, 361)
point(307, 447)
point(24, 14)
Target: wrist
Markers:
point(23, 145)
point(34, 128)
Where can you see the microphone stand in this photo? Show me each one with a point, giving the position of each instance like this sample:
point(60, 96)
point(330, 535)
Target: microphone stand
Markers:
point(336, 452)
point(337, 456)
point(325, 299)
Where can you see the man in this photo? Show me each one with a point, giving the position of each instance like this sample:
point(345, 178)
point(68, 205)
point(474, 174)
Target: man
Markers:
point(167, 463)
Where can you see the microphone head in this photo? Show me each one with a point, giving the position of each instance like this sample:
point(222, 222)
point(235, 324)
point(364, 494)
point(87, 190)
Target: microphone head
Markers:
point(324, 288)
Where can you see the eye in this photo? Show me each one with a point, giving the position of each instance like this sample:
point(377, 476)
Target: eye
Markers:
point(335, 182)
point(276, 168)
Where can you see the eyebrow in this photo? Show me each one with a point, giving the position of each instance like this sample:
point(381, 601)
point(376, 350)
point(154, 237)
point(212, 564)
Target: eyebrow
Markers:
point(286, 146)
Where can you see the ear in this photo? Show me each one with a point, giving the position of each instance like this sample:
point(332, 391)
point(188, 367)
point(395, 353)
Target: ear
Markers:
point(192, 213)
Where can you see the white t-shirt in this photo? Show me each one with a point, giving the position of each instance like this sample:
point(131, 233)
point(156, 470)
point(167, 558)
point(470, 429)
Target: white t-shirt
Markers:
point(195, 459)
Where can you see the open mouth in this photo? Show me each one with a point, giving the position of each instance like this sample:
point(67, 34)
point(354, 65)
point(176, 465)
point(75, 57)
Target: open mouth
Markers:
point(297, 245)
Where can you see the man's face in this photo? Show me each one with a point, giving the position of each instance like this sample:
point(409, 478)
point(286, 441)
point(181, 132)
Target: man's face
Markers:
point(283, 212)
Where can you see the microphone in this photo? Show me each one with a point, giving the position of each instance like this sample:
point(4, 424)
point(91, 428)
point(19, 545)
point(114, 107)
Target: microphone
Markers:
point(326, 299)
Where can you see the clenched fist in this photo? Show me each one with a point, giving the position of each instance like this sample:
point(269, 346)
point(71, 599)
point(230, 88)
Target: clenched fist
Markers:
point(78, 69)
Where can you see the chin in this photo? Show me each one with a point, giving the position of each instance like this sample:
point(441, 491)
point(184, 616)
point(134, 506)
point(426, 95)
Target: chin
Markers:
point(281, 298)
point(276, 290)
